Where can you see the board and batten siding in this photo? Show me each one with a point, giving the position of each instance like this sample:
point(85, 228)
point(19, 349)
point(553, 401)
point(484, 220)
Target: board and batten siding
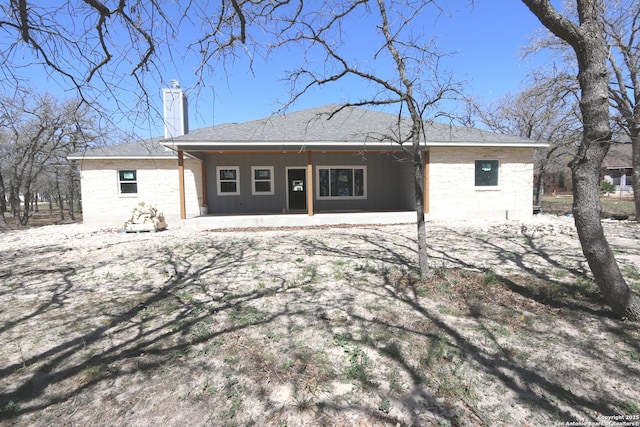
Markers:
point(245, 202)
point(158, 182)
point(388, 182)
point(452, 190)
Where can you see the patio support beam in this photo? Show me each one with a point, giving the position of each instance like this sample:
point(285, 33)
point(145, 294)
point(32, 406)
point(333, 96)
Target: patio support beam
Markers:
point(310, 185)
point(425, 190)
point(205, 202)
point(183, 210)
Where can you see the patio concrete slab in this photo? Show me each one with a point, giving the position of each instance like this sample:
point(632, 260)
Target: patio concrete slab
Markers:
point(297, 220)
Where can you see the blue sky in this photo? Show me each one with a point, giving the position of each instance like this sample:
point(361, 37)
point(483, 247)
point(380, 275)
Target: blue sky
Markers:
point(486, 40)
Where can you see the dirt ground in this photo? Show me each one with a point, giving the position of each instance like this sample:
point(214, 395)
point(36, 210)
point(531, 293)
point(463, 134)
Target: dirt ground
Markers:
point(314, 326)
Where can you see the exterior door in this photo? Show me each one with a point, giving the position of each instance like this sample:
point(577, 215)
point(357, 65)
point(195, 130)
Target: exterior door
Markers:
point(297, 189)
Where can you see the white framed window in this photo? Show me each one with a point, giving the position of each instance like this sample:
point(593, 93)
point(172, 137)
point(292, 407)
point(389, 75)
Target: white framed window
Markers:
point(487, 173)
point(262, 180)
point(228, 180)
point(128, 181)
point(341, 182)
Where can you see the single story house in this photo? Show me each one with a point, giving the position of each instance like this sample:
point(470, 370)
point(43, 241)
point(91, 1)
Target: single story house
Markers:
point(311, 161)
point(617, 168)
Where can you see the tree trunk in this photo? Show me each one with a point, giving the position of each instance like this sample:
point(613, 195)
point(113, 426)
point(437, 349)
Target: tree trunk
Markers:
point(423, 257)
point(61, 206)
point(592, 53)
point(14, 202)
point(635, 178)
point(59, 197)
point(71, 191)
point(596, 249)
point(70, 203)
point(3, 203)
point(590, 47)
point(24, 219)
point(539, 184)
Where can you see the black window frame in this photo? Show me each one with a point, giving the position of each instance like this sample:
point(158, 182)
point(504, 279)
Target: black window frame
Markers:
point(128, 185)
point(487, 173)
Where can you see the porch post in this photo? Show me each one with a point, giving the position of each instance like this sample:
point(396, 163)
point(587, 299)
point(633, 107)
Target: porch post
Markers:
point(310, 183)
point(183, 210)
point(426, 182)
point(204, 183)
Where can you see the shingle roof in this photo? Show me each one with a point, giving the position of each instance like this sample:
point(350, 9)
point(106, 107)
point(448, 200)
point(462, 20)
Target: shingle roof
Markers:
point(314, 127)
point(619, 156)
point(350, 124)
point(145, 148)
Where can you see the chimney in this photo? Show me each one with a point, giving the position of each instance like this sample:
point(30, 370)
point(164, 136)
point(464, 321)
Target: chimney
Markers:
point(176, 115)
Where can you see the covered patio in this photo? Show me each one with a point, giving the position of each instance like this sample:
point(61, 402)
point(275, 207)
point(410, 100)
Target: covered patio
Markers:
point(210, 222)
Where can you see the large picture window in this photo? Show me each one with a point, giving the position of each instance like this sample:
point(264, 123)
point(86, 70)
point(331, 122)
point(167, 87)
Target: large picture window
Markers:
point(228, 180)
point(487, 173)
point(348, 182)
point(262, 180)
point(128, 181)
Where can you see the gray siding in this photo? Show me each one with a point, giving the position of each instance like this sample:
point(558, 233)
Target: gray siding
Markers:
point(389, 185)
point(387, 181)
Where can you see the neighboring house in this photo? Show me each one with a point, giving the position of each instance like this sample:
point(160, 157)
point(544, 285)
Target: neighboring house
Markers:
point(306, 162)
point(616, 168)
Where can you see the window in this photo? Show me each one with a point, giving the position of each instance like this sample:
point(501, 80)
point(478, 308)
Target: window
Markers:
point(262, 180)
point(342, 182)
point(487, 173)
point(228, 180)
point(616, 175)
point(128, 182)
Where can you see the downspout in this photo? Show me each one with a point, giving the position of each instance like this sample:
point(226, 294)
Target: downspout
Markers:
point(183, 210)
point(205, 202)
point(426, 182)
point(309, 183)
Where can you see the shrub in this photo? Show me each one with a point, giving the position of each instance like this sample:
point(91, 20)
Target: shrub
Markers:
point(607, 187)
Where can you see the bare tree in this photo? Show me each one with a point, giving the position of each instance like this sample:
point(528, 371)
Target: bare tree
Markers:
point(4, 139)
point(622, 27)
point(39, 132)
point(621, 19)
point(588, 41)
point(123, 46)
point(3, 191)
point(401, 66)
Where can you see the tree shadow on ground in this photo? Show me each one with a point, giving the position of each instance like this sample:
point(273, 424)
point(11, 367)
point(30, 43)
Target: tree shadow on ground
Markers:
point(528, 256)
point(52, 366)
point(527, 383)
point(238, 317)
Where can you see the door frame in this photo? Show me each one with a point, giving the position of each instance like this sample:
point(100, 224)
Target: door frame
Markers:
point(286, 175)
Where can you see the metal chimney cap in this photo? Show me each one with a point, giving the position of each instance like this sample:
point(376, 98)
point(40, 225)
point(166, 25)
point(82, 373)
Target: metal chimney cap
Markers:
point(174, 84)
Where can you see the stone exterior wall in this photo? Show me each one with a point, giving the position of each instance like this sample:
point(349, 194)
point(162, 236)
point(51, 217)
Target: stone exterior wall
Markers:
point(451, 181)
point(104, 206)
point(452, 190)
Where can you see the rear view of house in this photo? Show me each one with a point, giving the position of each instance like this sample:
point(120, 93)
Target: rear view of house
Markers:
point(324, 159)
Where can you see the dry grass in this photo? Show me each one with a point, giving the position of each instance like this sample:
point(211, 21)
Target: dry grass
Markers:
point(611, 205)
point(309, 327)
point(43, 218)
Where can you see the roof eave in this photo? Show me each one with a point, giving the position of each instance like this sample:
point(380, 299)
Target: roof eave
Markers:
point(222, 145)
point(90, 157)
point(489, 144)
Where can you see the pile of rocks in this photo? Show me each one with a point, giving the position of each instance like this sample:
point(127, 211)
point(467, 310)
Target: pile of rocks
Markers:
point(145, 217)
